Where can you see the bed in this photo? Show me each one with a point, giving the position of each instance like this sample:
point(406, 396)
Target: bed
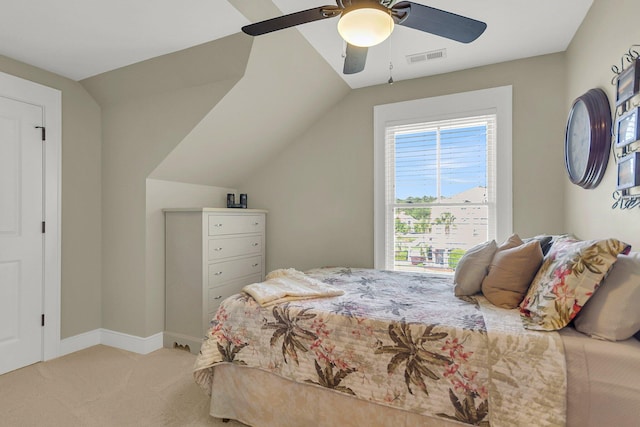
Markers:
point(400, 349)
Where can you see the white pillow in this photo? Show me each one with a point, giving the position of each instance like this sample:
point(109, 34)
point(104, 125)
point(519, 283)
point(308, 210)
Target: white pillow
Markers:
point(472, 268)
point(613, 312)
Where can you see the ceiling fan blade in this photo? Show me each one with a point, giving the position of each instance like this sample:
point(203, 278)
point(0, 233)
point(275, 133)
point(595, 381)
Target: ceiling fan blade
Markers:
point(438, 22)
point(291, 20)
point(355, 59)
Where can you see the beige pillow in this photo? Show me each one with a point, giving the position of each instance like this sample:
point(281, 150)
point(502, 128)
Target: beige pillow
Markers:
point(510, 274)
point(613, 312)
point(513, 241)
point(472, 268)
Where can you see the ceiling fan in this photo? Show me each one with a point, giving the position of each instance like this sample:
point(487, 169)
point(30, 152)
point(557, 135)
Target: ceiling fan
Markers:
point(365, 23)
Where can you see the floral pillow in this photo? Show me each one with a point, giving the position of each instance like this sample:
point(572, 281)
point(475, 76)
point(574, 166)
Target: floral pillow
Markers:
point(570, 274)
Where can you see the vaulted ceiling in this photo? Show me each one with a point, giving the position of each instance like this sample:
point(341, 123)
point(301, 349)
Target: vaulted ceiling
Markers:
point(79, 39)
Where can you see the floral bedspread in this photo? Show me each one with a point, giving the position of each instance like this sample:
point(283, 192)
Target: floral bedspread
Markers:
point(402, 340)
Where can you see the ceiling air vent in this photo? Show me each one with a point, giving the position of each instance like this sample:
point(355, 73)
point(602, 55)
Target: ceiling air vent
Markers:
point(426, 56)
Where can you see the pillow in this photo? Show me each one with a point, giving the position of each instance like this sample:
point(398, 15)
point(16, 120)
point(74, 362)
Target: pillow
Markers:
point(613, 313)
point(511, 273)
point(568, 277)
point(513, 241)
point(545, 242)
point(556, 238)
point(472, 268)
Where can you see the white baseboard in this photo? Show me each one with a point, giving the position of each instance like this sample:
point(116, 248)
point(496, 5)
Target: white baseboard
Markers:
point(131, 342)
point(80, 342)
point(112, 339)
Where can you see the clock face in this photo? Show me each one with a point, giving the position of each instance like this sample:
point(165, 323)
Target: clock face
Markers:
point(578, 141)
point(588, 139)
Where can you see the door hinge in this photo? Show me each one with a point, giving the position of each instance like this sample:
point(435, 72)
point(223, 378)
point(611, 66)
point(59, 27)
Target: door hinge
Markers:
point(43, 227)
point(44, 132)
point(42, 320)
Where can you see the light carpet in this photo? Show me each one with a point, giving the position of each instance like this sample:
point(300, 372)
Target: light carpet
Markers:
point(105, 386)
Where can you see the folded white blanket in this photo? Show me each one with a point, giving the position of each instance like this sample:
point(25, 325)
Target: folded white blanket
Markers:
point(288, 285)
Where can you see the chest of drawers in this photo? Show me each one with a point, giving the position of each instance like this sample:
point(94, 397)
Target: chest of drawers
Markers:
point(210, 254)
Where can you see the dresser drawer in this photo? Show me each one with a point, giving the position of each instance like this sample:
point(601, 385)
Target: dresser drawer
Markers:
point(227, 224)
point(234, 246)
point(221, 272)
point(220, 293)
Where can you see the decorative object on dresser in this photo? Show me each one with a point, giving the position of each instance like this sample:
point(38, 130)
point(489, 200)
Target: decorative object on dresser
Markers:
point(210, 254)
point(588, 139)
point(231, 201)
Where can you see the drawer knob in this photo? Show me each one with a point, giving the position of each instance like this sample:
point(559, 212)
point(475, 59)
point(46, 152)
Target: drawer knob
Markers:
point(256, 223)
point(217, 225)
point(217, 273)
point(255, 265)
point(255, 244)
point(217, 249)
point(218, 297)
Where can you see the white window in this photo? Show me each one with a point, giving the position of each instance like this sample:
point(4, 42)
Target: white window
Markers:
point(442, 178)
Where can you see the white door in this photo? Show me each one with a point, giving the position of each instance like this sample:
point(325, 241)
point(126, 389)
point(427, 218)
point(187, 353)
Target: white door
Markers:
point(21, 238)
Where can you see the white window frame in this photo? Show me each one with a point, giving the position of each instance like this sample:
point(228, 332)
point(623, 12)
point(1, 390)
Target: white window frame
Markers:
point(497, 100)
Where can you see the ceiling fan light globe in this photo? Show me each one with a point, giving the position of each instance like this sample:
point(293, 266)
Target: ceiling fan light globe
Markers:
point(365, 27)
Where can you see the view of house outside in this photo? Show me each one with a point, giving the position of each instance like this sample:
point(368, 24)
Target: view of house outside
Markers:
point(441, 207)
point(434, 238)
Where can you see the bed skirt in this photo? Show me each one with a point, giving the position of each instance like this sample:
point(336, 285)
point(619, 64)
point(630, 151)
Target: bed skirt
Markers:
point(262, 399)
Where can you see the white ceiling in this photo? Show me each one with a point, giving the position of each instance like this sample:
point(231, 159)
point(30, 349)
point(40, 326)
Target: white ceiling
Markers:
point(82, 38)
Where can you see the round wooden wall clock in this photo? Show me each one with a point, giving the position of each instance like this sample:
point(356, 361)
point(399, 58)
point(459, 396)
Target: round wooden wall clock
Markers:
point(587, 139)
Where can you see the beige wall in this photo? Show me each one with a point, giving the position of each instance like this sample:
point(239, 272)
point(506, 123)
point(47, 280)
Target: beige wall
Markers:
point(147, 109)
point(319, 190)
point(279, 97)
point(606, 34)
point(81, 209)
